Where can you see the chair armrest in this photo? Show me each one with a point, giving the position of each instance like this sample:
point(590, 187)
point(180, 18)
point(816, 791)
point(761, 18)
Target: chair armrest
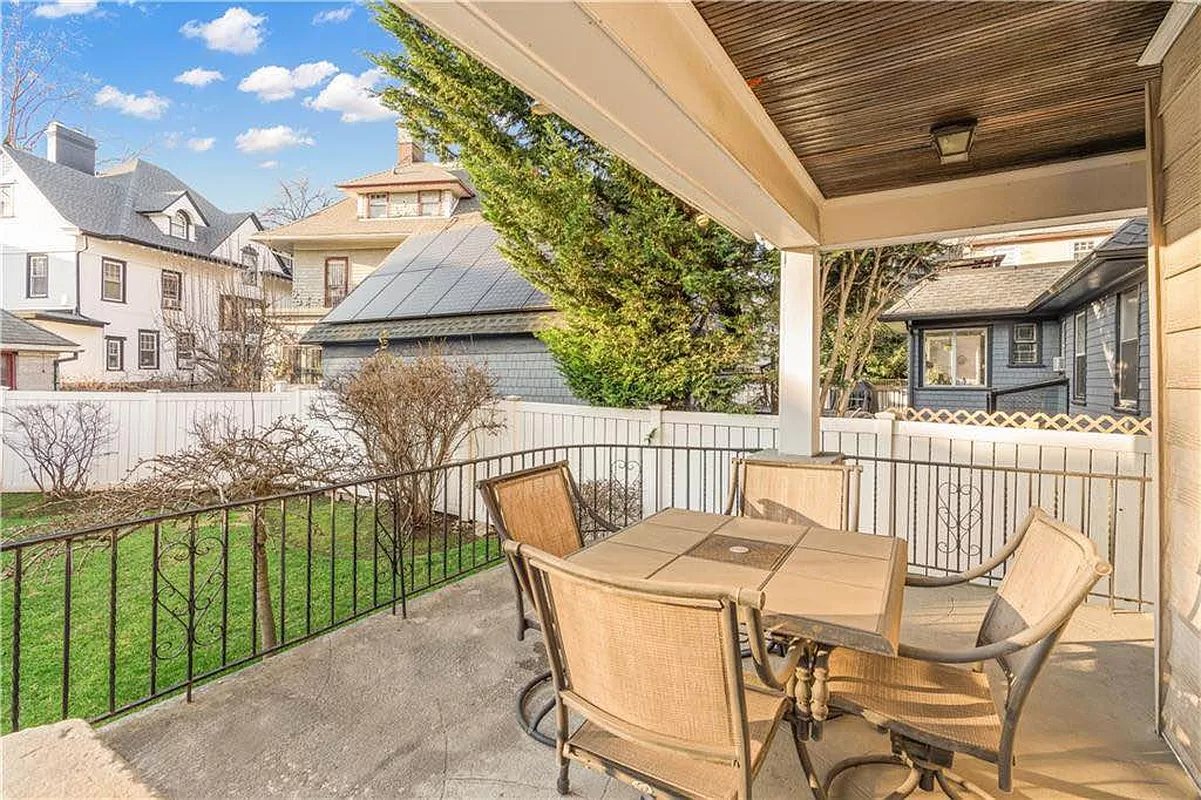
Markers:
point(605, 524)
point(762, 661)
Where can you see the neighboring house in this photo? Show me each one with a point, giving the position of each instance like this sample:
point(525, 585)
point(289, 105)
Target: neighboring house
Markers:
point(29, 355)
point(123, 260)
point(455, 290)
point(333, 250)
point(1061, 337)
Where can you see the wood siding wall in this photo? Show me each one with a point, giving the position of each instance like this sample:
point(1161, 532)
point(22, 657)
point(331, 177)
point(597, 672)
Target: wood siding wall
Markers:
point(1174, 110)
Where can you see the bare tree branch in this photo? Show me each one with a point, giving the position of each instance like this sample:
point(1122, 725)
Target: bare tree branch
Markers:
point(295, 200)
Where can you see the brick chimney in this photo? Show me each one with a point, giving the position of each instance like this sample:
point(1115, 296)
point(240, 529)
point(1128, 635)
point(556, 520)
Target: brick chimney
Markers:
point(407, 150)
point(71, 148)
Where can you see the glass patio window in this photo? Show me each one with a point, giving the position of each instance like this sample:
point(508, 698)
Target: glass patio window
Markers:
point(1126, 372)
point(955, 357)
point(112, 282)
point(1023, 349)
point(37, 275)
point(172, 283)
point(377, 206)
point(147, 349)
point(1080, 357)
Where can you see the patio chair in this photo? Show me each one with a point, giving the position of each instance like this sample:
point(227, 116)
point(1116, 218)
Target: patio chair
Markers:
point(536, 506)
point(654, 669)
point(826, 495)
point(933, 709)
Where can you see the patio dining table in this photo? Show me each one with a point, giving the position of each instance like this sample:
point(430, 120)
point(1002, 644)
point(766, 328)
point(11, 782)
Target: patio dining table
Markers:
point(823, 588)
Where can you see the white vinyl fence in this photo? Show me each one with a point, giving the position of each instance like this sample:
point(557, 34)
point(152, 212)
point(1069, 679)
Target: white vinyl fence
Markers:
point(955, 491)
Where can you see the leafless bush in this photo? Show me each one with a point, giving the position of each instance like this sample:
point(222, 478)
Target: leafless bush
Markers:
point(617, 502)
point(410, 414)
point(58, 443)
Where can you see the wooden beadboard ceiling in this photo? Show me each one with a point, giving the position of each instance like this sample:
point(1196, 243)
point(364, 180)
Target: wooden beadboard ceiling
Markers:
point(855, 87)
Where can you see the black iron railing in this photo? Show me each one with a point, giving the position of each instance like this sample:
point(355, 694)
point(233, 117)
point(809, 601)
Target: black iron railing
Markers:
point(105, 620)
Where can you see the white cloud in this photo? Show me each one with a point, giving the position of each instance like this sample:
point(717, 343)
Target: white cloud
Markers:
point(65, 8)
point(269, 164)
point(201, 145)
point(147, 106)
point(268, 140)
point(334, 15)
point(235, 31)
point(351, 95)
point(171, 139)
point(279, 83)
point(199, 77)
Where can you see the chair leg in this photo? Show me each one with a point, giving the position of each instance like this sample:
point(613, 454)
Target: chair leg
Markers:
point(904, 790)
point(529, 724)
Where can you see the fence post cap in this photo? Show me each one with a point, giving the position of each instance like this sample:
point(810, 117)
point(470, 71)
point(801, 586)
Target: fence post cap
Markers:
point(885, 415)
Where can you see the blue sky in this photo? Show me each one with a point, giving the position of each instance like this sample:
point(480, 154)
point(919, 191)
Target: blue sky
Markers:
point(290, 99)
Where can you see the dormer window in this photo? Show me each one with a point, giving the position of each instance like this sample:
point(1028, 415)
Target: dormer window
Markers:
point(250, 260)
point(377, 206)
point(430, 203)
point(423, 203)
point(181, 225)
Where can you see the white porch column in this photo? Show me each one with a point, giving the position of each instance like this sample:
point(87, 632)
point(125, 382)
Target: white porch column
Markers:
point(800, 328)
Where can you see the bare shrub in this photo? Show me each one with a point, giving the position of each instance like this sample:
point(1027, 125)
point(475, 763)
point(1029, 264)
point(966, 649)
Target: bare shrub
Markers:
point(617, 502)
point(409, 414)
point(58, 443)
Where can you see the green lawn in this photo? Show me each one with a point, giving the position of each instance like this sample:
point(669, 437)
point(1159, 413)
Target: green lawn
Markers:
point(328, 576)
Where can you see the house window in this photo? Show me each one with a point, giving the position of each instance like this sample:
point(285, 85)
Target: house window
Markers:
point(337, 276)
point(114, 353)
point(181, 225)
point(1126, 368)
point(172, 283)
point(1082, 248)
point(304, 362)
point(147, 349)
point(37, 275)
point(430, 202)
point(112, 282)
point(1080, 357)
point(6, 200)
point(250, 260)
point(239, 314)
point(185, 350)
point(1024, 345)
point(377, 206)
point(8, 369)
point(956, 357)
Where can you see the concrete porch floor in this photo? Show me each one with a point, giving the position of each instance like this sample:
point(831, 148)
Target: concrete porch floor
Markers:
point(423, 707)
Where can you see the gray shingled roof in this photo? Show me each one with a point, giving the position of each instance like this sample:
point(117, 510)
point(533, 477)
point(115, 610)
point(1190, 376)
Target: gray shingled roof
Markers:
point(16, 333)
point(430, 327)
point(976, 291)
point(454, 272)
point(111, 204)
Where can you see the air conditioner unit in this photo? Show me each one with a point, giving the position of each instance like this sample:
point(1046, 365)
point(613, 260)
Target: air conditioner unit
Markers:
point(1057, 363)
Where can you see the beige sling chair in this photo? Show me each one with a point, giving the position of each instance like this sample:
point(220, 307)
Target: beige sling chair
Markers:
point(537, 506)
point(655, 672)
point(932, 709)
point(826, 495)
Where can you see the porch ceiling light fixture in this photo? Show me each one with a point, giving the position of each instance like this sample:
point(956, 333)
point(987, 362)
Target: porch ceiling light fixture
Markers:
point(953, 140)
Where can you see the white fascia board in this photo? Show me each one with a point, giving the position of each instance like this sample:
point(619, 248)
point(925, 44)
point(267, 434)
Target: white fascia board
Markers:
point(1170, 28)
point(646, 81)
point(1086, 190)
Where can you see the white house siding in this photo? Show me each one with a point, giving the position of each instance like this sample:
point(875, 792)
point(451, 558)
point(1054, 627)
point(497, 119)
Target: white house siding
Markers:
point(53, 236)
point(308, 270)
point(520, 364)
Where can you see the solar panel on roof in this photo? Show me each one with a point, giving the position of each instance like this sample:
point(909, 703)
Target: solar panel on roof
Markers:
point(509, 293)
point(470, 290)
point(438, 249)
point(400, 258)
point(421, 300)
point(363, 294)
point(397, 290)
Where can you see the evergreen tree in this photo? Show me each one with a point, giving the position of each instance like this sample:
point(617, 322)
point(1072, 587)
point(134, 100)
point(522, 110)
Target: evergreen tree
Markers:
point(657, 305)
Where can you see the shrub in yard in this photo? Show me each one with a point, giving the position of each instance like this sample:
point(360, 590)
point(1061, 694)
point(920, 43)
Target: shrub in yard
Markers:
point(58, 442)
point(615, 501)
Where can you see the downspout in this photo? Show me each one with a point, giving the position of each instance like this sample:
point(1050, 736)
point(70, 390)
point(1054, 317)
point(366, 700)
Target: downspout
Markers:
point(87, 244)
point(914, 361)
point(72, 357)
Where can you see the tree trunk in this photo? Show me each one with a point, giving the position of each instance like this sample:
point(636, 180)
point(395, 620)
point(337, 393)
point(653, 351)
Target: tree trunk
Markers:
point(262, 583)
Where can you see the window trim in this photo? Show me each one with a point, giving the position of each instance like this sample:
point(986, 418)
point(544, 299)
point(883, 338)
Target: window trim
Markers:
point(29, 257)
point(104, 261)
point(1080, 387)
point(987, 332)
point(421, 203)
point(9, 357)
point(1127, 404)
point(120, 342)
point(345, 279)
point(191, 351)
point(1037, 342)
point(11, 210)
point(187, 225)
point(387, 203)
point(158, 349)
point(162, 287)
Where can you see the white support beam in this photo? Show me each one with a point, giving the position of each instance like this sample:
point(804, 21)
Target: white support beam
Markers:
point(650, 82)
point(1086, 190)
point(799, 357)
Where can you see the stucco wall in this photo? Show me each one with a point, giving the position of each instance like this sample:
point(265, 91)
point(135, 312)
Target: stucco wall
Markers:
point(520, 365)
